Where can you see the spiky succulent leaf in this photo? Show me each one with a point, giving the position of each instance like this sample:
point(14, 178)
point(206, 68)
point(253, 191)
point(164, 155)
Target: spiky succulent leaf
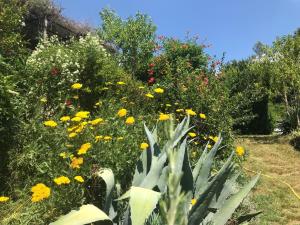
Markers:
point(85, 215)
point(142, 203)
point(224, 213)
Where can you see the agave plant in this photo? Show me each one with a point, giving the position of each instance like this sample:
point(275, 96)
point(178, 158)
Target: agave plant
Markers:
point(165, 175)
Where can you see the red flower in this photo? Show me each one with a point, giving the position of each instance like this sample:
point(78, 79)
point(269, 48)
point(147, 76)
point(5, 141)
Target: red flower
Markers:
point(151, 65)
point(205, 81)
point(151, 80)
point(54, 71)
point(150, 72)
point(68, 102)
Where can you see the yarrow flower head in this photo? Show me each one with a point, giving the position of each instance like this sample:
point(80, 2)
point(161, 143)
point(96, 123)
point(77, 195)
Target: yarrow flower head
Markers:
point(163, 117)
point(76, 162)
point(79, 179)
point(159, 90)
point(4, 199)
point(190, 112)
point(130, 120)
point(120, 83)
point(40, 192)
point(122, 112)
point(83, 114)
point(76, 86)
point(96, 121)
point(84, 148)
point(65, 118)
point(50, 123)
point(144, 146)
point(202, 116)
point(149, 95)
point(240, 151)
point(62, 180)
point(192, 134)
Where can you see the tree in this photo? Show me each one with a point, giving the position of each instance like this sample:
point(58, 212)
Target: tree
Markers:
point(133, 38)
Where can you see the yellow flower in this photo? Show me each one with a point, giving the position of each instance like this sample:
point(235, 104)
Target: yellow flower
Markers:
point(50, 123)
point(63, 155)
point(240, 151)
point(44, 100)
point(141, 87)
point(71, 135)
point(98, 103)
point(76, 162)
point(65, 118)
point(202, 116)
point(76, 119)
point(4, 199)
point(215, 139)
point(122, 112)
point(120, 138)
point(107, 138)
point(62, 180)
point(190, 112)
point(96, 121)
point(120, 83)
point(39, 192)
point(163, 117)
point(159, 90)
point(144, 146)
point(179, 110)
point(98, 138)
point(130, 120)
point(208, 146)
point(193, 201)
point(76, 86)
point(149, 95)
point(79, 179)
point(192, 134)
point(83, 114)
point(84, 148)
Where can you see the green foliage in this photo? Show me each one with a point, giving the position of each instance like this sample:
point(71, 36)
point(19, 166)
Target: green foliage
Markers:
point(133, 39)
point(169, 170)
point(11, 24)
point(248, 83)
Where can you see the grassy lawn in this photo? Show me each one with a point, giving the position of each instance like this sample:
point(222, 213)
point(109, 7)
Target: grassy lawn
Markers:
point(273, 156)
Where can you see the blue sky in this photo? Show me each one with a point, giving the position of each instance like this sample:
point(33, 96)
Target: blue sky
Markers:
point(231, 26)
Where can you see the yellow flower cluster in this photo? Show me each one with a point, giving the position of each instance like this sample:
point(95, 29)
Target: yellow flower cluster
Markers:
point(62, 180)
point(84, 148)
point(79, 179)
point(65, 118)
point(122, 112)
point(130, 120)
point(76, 86)
point(96, 121)
point(144, 146)
point(4, 199)
point(192, 134)
point(76, 162)
point(163, 117)
point(240, 151)
point(50, 123)
point(40, 192)
point(159, 90)
point(190, 112)
point(83, 114)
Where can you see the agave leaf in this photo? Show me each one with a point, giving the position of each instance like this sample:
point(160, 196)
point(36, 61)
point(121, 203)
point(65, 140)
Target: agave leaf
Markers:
point(200, 210)
point(142, 167)
point(201, 180)
point(152, 142)
point(109, 179)
point(224, 213)
point(247, 217)
point(85, 215)
point(152, 178)
point(142, 203)
point(186, 182)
